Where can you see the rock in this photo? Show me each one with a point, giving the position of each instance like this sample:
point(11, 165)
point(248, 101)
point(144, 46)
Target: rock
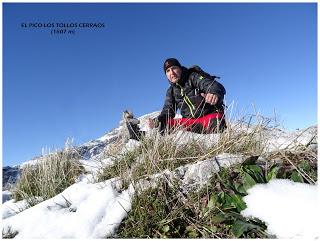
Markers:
point(10, 175)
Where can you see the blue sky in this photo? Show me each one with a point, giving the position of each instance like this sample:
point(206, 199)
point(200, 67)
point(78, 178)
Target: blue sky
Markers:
point(60, 86)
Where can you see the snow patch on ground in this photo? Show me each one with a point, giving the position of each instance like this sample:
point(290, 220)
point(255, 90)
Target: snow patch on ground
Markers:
point(130, 146)
point(11, 208)
point(94, 165)
point(81, 211)
point(280, 139)
point(6, 195)
point(290, 209)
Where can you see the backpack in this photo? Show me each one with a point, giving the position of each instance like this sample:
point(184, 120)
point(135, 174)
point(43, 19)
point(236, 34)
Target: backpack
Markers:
point(197, 69)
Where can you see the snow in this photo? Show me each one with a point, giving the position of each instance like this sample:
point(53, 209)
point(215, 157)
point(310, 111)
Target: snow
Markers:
point(149, 115)
point(196, 175)
point(93, 165)
point(280, 139)
point(130, 146)
point(83, 210)
point(6, 195)
point(111, 135)
point(289, 209)
point(29, 163)
point(11, 208)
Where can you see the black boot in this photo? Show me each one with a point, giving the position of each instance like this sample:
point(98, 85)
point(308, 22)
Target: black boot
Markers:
point(132, 125)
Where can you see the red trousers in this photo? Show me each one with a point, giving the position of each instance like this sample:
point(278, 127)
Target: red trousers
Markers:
point(207, 122)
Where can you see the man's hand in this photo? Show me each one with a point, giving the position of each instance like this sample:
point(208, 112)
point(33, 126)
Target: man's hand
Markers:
point(212, 99)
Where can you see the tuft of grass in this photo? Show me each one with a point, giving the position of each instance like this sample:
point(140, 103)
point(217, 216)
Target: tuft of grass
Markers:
point(9, 233)
point(52, 174)
point(298, 164)
point(122, 163)
point(245, 136)
point(158, 153)
point(156, 213)
point(154, 154)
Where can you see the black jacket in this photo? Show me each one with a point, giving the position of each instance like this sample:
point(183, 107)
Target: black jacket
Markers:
point(185, 95)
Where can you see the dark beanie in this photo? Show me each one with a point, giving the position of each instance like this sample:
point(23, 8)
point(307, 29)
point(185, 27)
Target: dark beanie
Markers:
point(170, 62)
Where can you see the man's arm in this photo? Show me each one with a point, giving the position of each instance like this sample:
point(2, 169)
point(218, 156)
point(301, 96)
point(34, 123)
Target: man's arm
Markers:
point(212, 90)
point(169, 107)
point(168, 110)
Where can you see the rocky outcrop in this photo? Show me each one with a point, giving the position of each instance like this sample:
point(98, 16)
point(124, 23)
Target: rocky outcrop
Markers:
point(10, 175)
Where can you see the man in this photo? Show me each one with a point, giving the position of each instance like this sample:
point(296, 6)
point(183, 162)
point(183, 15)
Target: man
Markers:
point(198, 96)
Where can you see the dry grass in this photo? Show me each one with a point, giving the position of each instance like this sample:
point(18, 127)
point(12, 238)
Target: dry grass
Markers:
point(157, 152)
point(48, 177)
point(9, 233)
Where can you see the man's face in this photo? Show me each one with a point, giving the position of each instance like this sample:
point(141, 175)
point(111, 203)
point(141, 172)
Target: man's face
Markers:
point(173, 74)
